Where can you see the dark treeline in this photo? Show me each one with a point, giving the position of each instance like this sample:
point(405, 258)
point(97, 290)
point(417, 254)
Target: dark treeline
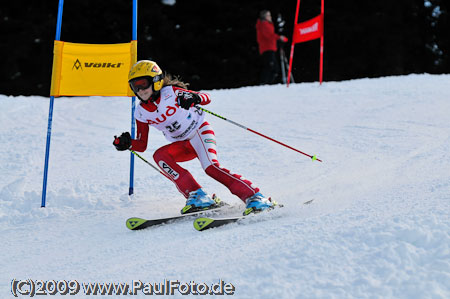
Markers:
point(212, 43)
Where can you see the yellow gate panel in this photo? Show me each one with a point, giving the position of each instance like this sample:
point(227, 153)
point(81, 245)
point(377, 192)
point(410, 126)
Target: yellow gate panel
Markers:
point(92, 69)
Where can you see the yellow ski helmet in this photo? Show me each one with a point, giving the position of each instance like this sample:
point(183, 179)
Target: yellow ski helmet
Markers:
point(146, 69)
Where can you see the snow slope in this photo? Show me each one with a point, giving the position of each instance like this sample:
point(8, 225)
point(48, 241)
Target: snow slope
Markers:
point(378, 227)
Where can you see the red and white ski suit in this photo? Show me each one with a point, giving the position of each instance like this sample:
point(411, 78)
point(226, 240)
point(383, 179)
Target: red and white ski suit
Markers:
point(191, 137)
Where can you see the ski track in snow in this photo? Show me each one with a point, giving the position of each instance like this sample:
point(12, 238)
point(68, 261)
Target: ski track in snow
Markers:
point(378, 227)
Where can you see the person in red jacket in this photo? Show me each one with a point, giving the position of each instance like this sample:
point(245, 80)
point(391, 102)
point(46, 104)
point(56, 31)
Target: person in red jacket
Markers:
point(267, 44)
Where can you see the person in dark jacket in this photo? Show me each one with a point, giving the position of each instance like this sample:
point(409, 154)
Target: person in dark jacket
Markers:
point(267, 44)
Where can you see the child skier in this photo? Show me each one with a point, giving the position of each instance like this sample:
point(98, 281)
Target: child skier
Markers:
point(167, 105)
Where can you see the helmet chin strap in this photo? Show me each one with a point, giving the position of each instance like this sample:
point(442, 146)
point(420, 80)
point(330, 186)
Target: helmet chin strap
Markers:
point(154, 96)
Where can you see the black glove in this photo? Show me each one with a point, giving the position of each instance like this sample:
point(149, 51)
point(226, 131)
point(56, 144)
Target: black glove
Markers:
point(123, 142)
point(186, 99)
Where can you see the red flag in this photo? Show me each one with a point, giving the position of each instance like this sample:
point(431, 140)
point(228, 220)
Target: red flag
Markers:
point(308, 30)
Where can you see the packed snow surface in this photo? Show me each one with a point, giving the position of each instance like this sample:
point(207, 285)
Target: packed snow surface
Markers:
point(378, 226)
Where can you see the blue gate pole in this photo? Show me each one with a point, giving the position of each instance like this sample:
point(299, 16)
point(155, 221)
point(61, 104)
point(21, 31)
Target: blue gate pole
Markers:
point(133, 100)
point(50, 111)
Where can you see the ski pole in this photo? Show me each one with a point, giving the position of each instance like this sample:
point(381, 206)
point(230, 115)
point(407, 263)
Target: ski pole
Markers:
point(154, 167)
point(314, 158)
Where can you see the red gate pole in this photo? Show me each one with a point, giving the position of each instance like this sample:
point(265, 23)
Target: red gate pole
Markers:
point(321, 43)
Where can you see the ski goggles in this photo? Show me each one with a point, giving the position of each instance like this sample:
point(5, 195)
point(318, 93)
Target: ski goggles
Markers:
point(140, 83)
point(144, 82)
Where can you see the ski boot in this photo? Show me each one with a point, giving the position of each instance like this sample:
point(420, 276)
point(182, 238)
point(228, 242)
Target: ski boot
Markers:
point(198, 200)
point(257, 203)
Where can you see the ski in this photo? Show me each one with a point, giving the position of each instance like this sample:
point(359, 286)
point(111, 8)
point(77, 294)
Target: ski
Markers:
point(136, 223)
point(204, 223)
